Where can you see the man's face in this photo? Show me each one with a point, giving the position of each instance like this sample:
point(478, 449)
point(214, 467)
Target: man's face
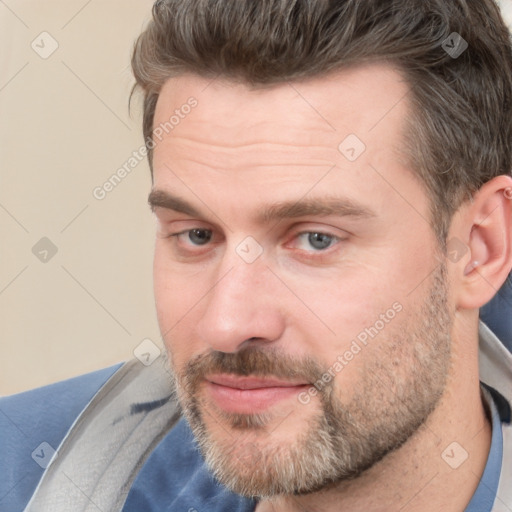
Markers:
point(294, 248)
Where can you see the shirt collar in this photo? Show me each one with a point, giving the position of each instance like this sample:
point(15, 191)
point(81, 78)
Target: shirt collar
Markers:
point(485, 494)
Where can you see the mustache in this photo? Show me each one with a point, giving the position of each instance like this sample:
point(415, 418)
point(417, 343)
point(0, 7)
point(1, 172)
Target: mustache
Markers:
point(249, 361)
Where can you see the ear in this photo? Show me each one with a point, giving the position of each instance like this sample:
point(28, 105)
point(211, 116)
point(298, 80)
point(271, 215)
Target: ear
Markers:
point(486, 229)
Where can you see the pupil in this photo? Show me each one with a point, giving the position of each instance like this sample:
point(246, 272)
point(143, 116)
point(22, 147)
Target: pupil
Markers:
point(199, 236)
point(319, 240)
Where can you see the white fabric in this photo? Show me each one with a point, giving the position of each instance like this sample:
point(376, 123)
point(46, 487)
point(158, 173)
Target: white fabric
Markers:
point(495, 363)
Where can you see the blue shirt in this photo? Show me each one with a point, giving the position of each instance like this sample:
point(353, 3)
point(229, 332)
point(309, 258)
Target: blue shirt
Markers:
point(497, 313)
point(174, 476)
point(160, 487)
point(31, 419)
point(485, 494)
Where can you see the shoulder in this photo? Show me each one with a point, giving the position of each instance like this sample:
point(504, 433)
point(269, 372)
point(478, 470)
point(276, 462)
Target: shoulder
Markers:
point(32, 425)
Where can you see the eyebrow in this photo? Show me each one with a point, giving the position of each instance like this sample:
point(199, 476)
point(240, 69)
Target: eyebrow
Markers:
point(341, 207)
point(161, 199)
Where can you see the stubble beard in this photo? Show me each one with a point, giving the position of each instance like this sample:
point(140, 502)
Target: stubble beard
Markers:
point(401, 383)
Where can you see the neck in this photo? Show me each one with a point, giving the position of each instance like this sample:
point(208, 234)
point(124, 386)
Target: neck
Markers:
point(421, 475)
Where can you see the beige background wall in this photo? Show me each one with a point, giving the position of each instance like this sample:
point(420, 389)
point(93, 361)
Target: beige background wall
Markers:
point(64, 130)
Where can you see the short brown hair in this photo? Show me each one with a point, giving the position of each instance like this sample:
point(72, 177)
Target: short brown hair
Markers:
point(459, 133)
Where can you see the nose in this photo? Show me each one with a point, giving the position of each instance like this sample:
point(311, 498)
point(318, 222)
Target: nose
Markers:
point(242, 308)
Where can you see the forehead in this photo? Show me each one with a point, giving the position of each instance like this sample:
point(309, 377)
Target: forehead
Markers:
point(275, 139)
point(356, 100)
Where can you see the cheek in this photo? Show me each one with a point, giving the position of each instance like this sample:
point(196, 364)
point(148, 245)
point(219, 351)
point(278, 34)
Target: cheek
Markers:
point(178, 299)
point(350, 301)
point(363, 308)
point(164, 286)
point(176, 321)
point(175, 286)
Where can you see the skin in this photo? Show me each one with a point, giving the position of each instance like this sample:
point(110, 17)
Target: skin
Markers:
point(241, 150)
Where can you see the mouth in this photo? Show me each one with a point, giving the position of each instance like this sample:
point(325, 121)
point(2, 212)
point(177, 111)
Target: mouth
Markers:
point(250, 395)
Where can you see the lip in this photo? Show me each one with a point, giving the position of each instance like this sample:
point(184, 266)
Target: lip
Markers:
point(250, 395)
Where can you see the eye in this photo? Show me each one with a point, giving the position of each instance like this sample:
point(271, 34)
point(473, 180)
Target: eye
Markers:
point(199, 236)
point(316, 240)
point(196, 236)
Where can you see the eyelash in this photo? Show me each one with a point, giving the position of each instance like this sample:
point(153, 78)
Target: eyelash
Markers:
point(319, 252)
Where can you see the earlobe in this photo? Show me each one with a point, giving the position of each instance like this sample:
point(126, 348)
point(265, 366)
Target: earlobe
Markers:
point(489, 222)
